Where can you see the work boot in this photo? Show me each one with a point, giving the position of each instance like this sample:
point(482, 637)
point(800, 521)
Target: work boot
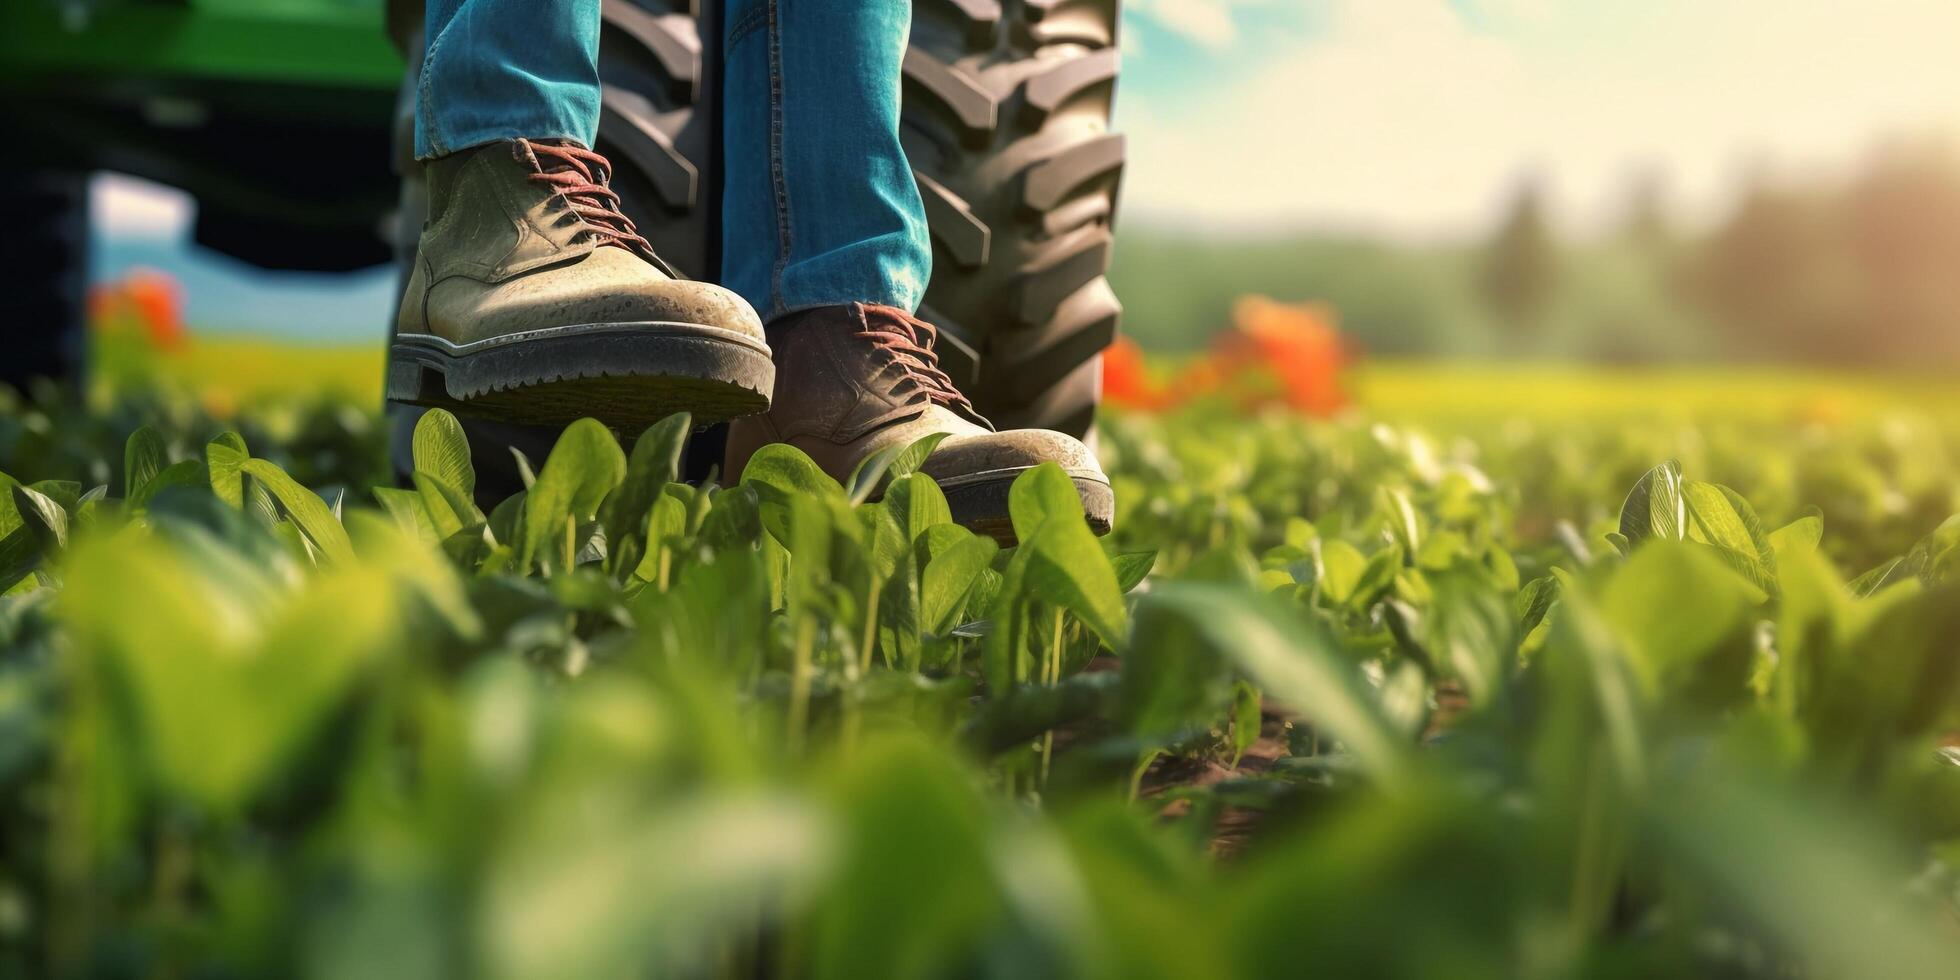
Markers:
point(854, 380)
point(533, 301)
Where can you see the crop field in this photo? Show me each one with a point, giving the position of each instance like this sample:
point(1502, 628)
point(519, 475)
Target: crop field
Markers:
point(1508, 673)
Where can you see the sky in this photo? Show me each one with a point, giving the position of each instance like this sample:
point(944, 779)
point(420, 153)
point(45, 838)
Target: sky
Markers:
point(1408, 119)
point(141, 224)
point(1417, 117)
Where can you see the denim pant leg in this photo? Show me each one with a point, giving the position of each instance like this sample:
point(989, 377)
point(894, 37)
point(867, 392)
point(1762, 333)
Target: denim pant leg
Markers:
point(503, 69)
point(820, 206)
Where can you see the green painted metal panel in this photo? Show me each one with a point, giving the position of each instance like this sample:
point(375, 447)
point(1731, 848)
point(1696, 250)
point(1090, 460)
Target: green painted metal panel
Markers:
point(330, 43)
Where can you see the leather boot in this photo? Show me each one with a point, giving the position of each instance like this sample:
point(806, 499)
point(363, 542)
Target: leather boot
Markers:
point(854, 380)
point(533, 301)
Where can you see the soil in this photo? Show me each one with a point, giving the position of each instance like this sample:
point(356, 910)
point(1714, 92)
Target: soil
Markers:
point(1235, 826)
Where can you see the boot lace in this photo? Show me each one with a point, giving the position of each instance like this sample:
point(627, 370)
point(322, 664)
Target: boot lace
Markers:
point(909, 341)
point(582, 176)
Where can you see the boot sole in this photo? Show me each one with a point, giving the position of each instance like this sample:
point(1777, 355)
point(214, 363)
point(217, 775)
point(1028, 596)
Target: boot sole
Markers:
point(626, 375)
point(979, 503)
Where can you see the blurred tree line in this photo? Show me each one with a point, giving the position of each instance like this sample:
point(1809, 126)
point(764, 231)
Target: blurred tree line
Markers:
point(1864, 270)
point(1867, 272)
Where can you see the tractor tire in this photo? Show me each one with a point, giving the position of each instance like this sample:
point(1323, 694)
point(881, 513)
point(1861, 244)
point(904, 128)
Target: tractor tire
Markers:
point(658, 126)
point(44, 275)
point(1006, 125)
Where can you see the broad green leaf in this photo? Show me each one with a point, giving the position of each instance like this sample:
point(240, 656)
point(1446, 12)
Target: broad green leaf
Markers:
point(1378, 574)
point(891, 463)
point(1341, 565)
point(732, 519)
point(1673, 603)
point(1534, 602)
point(1470, 629)
point(258, 500)
point(1040, 494)
point(1005, 723)
point(183, 473)
point(887, 540)
point(779, 472)
point(1442, 550)
point(1065, 563)
point(897, 619)
point(1503, 568)
point(407, 553)
point(631, 891)
point(916, 855)
point(808, 540)
point(666, 523)
point(1293, 661)
point(305, 507)
point(1887, 573)
point(1903, 677)
point(1800, 536)
point(937, 539)
point(449, 509)
point(1132, 568)
point(698, 501)
point(949, 579)
point(144, 456)
point(917, 504)
point(1004, 656)
point(655, 462)
point(9, 514)
point(42, 517)
point(224, 459)
point(67, 493)
point(93, 504)
point(1400, 516)
point(1730, 525)
point(1592, 689)
point(507, 518)
point(1654, 508)
point(224, 687)
point(19, 549)
point(582, 469)
point(1797, 868)
point(441, 450)
point(1246, 719)
point(1405, 699)
point(406, 509)
point(1175, 683)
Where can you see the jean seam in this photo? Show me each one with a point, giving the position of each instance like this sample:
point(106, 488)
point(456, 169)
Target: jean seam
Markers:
point(751, 19)
point(778, 171)
point(425, 95)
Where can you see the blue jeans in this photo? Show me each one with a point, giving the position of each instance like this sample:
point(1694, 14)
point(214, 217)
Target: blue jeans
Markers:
point(820, 207)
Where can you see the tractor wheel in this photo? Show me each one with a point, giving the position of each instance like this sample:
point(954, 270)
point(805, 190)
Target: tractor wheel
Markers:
point(656, 70)
point(1006, 124)
point(45, 276)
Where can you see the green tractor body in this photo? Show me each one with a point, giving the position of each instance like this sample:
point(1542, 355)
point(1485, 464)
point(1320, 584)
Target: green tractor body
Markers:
point(331, 45)
point(274, 114)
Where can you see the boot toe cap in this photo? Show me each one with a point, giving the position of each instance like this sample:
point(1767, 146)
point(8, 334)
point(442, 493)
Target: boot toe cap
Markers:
point(995, 454)
point(706, 304)
point(977, 473)
point(609, 286)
